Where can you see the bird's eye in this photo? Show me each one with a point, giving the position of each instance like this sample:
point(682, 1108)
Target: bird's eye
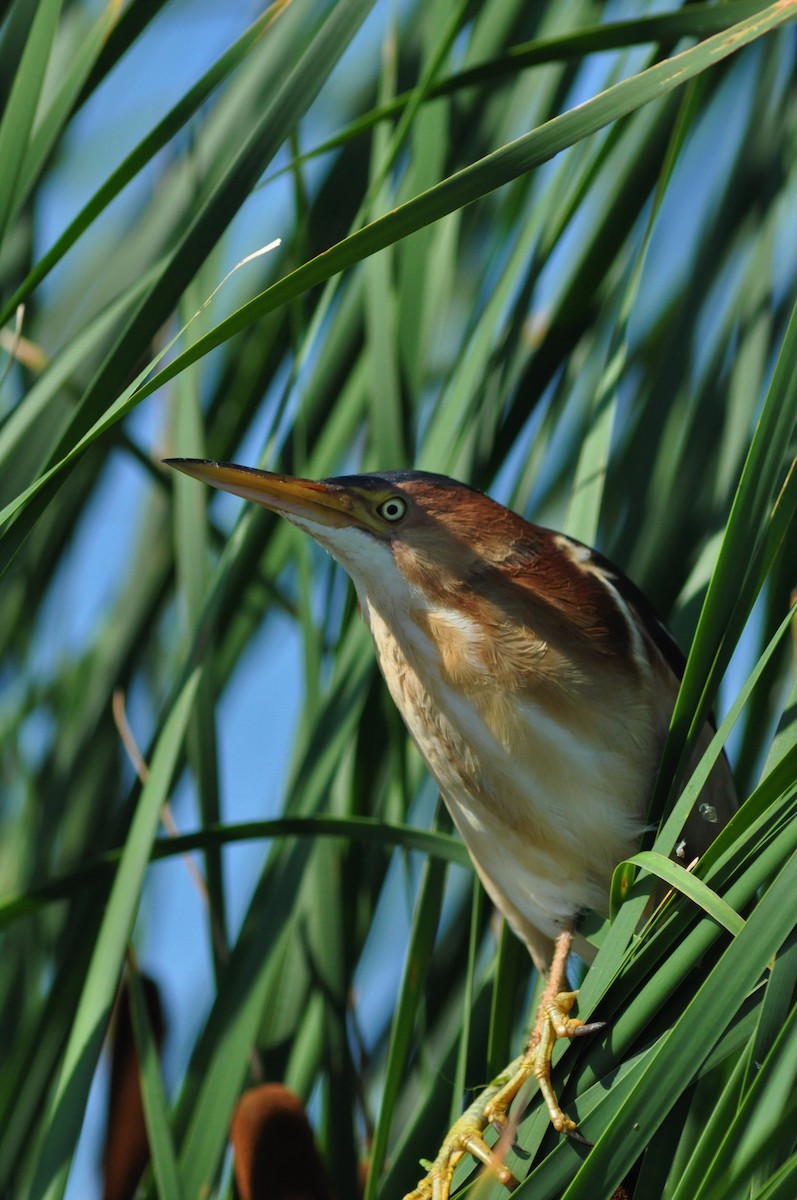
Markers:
point(392, 509)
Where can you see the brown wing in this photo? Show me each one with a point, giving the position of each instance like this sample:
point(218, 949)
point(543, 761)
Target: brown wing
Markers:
point(718, 801)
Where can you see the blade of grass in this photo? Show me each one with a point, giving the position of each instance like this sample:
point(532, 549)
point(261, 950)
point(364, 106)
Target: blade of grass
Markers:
point(478, 900)
point(222, 1055)
point(782, 1185)
point(758, 482)
point(462, 188)
point(689, 885)
point(366, 829)
point(511, 960)
point(758, 1130)
point(191, 561)
point(65, 1110)
point(134, 163)
point(380, 301)
point(20, 110)
point(712, 1132)
point(490, 173)
point(51, 124)
point(211, 218)
point(686, 1046)
point(416, 965)
point(665, 29)
point(156, 1112)
point(713, 1135)
point(586, 495)
point(671, 830)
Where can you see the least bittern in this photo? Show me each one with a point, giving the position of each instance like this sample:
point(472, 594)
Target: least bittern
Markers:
point(537, 684)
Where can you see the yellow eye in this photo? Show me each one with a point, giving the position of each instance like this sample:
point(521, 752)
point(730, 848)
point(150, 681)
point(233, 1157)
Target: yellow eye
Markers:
point(393, 509)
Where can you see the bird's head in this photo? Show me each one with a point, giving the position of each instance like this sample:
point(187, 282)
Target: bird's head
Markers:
point(413, 541)
point(426, 527)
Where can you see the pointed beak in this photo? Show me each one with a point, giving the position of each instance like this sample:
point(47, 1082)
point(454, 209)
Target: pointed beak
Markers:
point(320, 503)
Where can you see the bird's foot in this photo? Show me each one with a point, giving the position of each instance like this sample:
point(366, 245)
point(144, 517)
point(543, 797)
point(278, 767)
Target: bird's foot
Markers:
point(491, 1107)
point(553, 1021)
point(466, 1137)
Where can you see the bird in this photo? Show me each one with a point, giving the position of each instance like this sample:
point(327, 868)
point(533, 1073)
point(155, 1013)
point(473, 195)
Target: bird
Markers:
point(537, 683)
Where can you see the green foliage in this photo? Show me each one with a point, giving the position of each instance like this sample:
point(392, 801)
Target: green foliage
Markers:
point(566, 276)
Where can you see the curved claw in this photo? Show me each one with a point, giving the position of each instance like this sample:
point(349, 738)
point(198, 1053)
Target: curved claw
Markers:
point(576, 1136)
point(590, 1027)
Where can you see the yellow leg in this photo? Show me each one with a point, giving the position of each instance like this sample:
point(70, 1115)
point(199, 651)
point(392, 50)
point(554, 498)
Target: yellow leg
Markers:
point(465, 1137)
point(491, 1107)
point(553, 1022)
